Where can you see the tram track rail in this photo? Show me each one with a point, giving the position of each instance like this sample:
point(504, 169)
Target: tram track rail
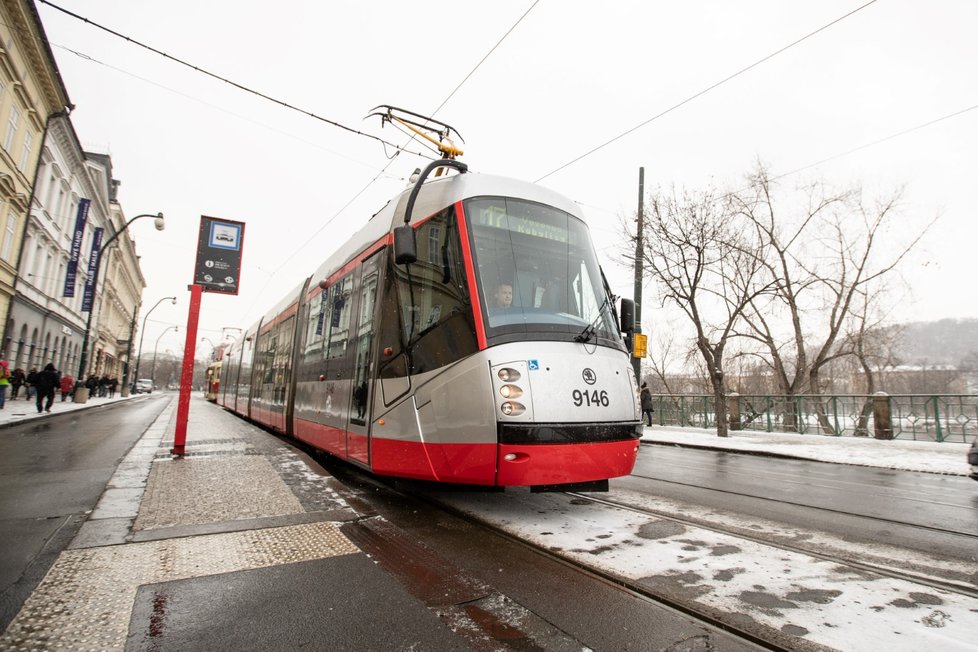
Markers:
point(754, 496)
point(885, 571)
point(755, 634)
point(771, 639)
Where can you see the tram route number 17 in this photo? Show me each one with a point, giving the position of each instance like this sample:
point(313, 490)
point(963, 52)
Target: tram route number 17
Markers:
point(593, 398)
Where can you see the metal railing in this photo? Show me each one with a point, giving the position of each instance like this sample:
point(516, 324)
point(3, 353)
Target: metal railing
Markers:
point(940, 417)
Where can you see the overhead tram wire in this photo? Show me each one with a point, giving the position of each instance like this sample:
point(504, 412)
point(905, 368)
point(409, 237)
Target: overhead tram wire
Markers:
point(878, 141)
point(122, 71)
point(411, 138)
point(852, 150)
point(704, 91)
point(284, 104)
point(204, 71)
point(483, 60)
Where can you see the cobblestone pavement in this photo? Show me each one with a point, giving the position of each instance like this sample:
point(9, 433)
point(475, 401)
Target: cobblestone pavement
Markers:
point(224, 507)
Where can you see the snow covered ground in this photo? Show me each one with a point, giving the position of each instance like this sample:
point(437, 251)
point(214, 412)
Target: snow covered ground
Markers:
point(813, 598)
point(802, 596)
point(905, 455)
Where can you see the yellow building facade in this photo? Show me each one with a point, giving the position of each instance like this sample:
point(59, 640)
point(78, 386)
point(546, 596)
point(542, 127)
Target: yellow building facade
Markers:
point(31, 90)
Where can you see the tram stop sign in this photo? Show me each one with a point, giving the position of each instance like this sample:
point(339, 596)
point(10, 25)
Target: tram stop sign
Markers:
point(219, 247)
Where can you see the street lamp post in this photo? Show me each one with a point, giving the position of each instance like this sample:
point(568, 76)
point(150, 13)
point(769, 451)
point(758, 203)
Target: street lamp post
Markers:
point(227, 336)
point(125, 368)
point(142, 334)
point(160, 224)
point(213, 348)
point(155, 348)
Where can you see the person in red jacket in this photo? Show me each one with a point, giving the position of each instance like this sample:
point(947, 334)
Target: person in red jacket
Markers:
point(67, 385)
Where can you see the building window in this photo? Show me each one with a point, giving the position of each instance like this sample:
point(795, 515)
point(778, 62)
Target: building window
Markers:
point(10, 232)
point(8, 142)
point(49, 192)
point(25, 155)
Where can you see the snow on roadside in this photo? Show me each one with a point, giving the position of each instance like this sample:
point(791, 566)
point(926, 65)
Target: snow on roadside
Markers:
point(816, 600)
point(905, 455)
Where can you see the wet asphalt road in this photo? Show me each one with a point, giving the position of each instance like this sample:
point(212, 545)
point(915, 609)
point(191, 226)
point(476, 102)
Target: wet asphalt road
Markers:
point(52, 472)
point(923, 511)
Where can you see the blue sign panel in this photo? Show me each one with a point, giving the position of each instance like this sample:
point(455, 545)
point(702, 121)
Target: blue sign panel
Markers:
point(76, 242)
point(88, 298)
point(219, 248)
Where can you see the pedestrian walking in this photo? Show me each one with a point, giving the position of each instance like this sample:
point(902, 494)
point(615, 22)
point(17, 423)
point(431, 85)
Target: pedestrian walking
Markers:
point(30, 381)
point(647, 409)
point(4, 382)
point(67, 386)
point(46, 383)
point(17, 380)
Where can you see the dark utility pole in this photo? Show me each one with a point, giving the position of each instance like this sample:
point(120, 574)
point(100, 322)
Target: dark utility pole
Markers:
point(639, 244)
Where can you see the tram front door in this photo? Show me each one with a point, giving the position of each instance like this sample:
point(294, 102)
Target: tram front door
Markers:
point(358, 422)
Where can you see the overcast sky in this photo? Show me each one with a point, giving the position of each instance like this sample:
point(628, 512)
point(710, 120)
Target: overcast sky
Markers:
point(568, 77)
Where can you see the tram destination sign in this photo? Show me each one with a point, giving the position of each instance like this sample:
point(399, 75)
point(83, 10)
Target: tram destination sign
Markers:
point(219, 248)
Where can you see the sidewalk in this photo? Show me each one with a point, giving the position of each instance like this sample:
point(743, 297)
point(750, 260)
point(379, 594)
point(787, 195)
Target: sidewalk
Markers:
point(219, 549)
point(22, 409)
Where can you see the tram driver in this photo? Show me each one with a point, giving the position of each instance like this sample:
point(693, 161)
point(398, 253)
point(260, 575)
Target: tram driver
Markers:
point(503, 297)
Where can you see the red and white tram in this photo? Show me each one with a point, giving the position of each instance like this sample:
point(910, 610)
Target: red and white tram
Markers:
point(395, 356)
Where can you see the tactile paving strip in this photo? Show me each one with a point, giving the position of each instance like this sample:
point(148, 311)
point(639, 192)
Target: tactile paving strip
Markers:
point(195, 491)
point(84, 602)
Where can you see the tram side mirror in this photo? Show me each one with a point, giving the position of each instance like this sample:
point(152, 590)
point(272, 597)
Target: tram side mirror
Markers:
point(405, 248)
point(627, 316)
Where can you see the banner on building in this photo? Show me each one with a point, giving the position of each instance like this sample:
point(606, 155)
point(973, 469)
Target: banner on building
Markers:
point(76, 242)
point(88, 296)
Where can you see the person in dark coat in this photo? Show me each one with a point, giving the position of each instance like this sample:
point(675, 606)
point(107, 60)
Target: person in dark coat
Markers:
point(647, 409)
point(30, 382)
point(17, 380)
point(47, 381)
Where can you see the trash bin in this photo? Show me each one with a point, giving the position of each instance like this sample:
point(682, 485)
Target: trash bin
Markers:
point(81, 395)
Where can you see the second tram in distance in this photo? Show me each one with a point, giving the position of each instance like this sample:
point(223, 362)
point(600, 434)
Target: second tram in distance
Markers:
point(478, 344)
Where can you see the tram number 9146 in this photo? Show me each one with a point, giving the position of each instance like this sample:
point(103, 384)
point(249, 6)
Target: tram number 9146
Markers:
point(592, 398)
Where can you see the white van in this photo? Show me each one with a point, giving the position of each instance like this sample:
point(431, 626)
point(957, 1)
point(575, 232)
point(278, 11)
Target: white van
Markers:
point(143, 386)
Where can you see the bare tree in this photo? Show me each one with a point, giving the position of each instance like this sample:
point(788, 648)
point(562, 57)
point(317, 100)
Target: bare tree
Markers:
point(872, 347)
point(707, 266)
point(820, 260)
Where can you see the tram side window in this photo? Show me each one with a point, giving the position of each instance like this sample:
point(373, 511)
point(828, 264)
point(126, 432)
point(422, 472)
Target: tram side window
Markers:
point(365, 332)
point(314, 348)
point(282, 353)
point(269, 359)
point(393, 363)
point(433, 303)
point(315, 315)
point(339, 319)
point(265, 350)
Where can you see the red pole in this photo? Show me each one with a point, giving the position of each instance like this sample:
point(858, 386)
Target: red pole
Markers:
point(187, 374)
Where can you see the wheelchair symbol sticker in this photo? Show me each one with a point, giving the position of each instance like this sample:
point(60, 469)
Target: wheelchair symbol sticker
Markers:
point(534, 365)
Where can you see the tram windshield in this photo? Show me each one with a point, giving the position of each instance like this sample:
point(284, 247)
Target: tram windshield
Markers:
point(537, 272)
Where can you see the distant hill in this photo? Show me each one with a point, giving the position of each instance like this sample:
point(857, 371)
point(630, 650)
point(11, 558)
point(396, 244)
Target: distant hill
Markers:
point(947, 341)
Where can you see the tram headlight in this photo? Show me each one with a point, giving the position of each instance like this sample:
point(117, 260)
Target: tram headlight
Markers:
point(508, 375)
point(512, 408)
point(510, 391)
